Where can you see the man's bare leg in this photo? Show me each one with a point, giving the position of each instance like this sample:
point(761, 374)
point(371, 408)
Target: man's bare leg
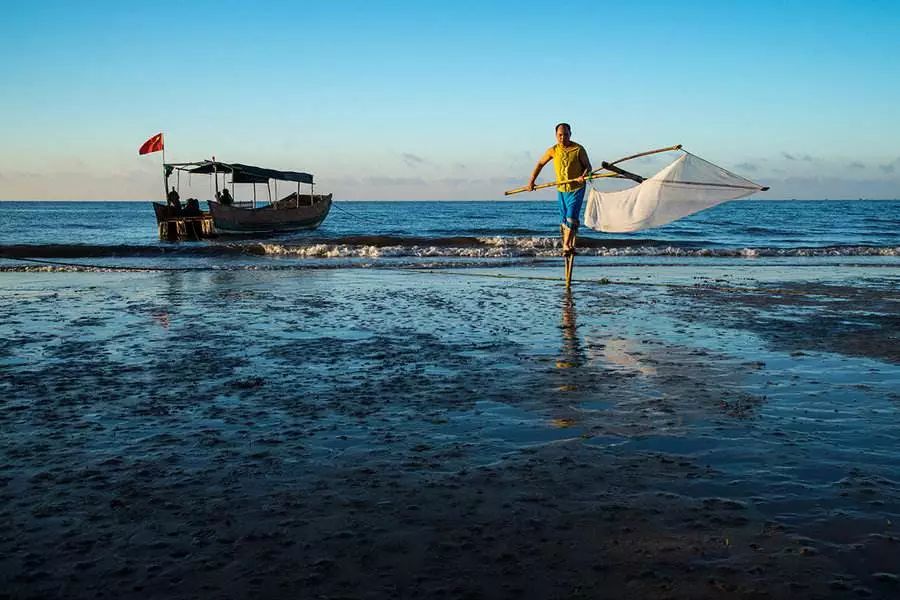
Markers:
point(564, 234)
point(567, 257)
point(568, 238)
point(569, 250)
point(573, 235)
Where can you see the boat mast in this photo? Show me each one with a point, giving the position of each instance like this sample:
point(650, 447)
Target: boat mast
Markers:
point(216, 177)
point(165, 175)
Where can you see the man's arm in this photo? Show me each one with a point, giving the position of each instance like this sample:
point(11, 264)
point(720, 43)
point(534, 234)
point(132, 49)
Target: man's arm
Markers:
point(547, 157)
point(586, 163)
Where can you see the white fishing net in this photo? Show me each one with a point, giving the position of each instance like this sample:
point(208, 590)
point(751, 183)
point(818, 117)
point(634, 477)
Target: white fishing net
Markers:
point(688, 185)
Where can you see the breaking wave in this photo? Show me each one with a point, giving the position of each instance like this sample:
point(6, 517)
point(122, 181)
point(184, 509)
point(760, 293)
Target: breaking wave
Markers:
point(374, 247)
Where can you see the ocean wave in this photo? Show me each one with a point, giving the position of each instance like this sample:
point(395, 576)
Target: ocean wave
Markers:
point(538, 246)
point(117, 250)
point(50, 266)
point(375, 247)
point(359, 245)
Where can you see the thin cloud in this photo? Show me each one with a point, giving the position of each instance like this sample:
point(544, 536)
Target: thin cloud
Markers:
point(395, 181)
point(501, 181)
point(856, 165)
point(346, 180)
point(412, 160)
point(747, 166)
point(525, 155)
point(129, 184)
point(803, 157)
point(454, 181)
point(823, 187)
point(521, 160)
point(890, 167)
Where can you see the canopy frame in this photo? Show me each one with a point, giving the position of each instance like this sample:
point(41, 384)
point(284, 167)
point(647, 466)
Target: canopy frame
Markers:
point(241, 173)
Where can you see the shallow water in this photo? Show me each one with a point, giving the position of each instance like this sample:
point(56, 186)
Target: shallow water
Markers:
point(459, 359)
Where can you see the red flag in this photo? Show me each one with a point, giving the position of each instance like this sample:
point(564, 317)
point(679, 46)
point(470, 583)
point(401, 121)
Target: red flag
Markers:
point(154, 144)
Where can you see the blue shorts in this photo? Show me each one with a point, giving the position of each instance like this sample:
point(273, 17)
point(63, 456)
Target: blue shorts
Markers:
point(570, 206)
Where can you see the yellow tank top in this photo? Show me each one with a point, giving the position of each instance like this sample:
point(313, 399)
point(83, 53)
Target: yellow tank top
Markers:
point(568, 165)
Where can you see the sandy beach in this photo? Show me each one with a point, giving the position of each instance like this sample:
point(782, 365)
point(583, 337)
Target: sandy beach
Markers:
point(696, 431)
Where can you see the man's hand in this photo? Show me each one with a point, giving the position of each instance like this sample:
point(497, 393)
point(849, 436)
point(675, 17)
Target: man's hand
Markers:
point(580, 179)
point(530, 186)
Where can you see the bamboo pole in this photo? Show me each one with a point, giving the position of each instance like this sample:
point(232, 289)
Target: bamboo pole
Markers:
point(622, 172)
point(555, 183)
point(647, 153)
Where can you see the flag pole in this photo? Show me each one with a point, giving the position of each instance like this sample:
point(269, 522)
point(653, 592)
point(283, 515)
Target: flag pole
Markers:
point(165, 178)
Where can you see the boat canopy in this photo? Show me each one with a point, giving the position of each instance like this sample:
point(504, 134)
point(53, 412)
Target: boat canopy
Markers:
point(240, 173)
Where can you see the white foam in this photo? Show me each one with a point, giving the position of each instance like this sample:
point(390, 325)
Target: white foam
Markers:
point(541, 247)
point(537, 242)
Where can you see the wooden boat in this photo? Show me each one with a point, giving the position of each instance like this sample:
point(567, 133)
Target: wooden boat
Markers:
point(228, 214)
point(291, 213)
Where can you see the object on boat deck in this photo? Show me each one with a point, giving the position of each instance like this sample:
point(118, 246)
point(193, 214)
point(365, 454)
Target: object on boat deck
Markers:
point(175, 225)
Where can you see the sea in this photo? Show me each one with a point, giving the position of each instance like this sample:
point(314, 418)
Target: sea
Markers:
point(410, 392)
point(432, 234)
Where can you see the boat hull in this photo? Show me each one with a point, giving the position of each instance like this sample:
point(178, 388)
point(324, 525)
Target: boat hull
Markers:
point(284, 215)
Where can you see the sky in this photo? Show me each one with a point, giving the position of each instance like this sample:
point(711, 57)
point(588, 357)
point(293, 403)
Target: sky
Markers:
point(449, 100)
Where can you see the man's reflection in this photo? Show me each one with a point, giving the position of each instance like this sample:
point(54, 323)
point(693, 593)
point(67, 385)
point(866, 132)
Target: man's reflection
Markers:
point(572, 352)
point(571, 356)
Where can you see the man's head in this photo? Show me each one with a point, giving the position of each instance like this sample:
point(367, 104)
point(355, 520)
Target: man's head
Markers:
point(563, 133)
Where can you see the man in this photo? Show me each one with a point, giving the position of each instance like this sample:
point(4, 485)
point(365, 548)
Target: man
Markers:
point(174, 201)
point(570, 160)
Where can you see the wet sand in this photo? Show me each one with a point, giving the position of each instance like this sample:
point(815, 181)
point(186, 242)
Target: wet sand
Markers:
point(680, 432)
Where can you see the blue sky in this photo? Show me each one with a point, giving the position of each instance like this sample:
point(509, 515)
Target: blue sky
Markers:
point(414, 100)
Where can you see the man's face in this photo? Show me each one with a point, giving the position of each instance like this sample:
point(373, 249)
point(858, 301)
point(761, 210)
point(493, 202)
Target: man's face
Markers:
point(562, 135)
